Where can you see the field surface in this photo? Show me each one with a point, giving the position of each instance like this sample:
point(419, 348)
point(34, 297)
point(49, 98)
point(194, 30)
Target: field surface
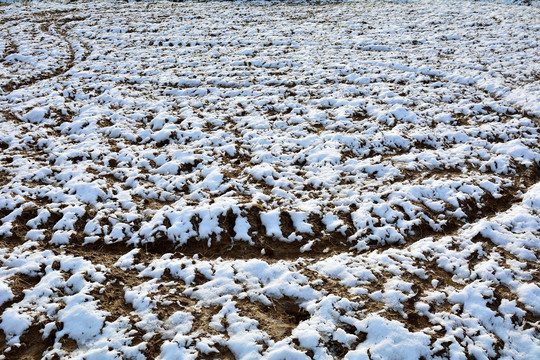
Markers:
point(277, 181)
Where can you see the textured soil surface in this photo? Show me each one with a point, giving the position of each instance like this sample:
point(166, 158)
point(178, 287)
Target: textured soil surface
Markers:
point(281, 181)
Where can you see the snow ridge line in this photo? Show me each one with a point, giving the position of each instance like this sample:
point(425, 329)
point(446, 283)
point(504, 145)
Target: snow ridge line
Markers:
point(245, 231)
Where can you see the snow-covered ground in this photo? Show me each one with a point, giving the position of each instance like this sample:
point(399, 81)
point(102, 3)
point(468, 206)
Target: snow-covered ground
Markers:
point(248, 180)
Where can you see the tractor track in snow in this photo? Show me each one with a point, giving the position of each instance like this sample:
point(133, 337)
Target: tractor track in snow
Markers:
point(46, 25)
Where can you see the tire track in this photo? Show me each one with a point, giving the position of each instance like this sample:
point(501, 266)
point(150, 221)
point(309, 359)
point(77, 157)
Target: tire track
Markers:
point(434, 74)
point(48, 26)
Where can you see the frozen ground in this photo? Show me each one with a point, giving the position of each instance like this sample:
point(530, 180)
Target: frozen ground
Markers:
point(239, 180)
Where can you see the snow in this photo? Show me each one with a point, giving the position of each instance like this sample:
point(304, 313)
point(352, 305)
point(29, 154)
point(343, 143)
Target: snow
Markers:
point(14, 323)
point(529, 295)
point(271, 222)
point(410, 345)
point(82, 322)
point(241, 227)
point(35, 115)
point(275, 180)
